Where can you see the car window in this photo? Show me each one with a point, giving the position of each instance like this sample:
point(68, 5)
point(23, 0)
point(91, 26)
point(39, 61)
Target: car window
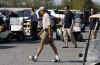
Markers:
point(5, 12)
point(59, 12)
point(49, 12)
point(25, 13)
point(20, 13)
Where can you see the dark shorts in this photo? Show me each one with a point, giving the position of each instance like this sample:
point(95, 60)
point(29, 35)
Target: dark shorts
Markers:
point(67, 25)
point(92, 25)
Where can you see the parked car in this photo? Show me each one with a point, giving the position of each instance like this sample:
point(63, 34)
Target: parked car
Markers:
point(15, 25)
point(4, 32)
point(57, 13)
point(24, 13)
point(21, 26)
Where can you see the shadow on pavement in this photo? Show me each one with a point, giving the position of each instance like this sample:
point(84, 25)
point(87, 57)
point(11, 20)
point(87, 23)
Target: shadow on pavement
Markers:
point(62, 61)
point(21, 42)
point(6, 47)
point(72, 61)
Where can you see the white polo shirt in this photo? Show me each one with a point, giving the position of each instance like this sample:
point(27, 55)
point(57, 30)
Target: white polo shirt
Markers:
point(46, 21)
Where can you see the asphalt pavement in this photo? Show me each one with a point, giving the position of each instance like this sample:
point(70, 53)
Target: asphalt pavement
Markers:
point(17, 53)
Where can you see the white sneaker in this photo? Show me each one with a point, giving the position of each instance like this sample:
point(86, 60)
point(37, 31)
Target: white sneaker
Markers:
point(55, 60)
point(93, 64)
point(32, 58)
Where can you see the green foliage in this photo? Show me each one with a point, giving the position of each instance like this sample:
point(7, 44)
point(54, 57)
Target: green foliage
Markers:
point(64, 3)
point(78, 4)
point(27, 3)
point(75, 4)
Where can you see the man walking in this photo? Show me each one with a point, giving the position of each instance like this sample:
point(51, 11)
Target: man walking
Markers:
point(68, 25)
point(47, 35)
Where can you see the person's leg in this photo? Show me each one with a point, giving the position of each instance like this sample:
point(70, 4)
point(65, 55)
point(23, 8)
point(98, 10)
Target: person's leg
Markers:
point(52, 45)
point(40, 48)
point(96, 29)
point(95, 35)
point(53, 48)
point(41, 45)
point(93, 30)
point(72, 37)
point(92, 35)
point(65, 35)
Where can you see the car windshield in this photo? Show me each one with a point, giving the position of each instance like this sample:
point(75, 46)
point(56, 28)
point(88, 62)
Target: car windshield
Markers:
point(49, 13)
point(5, 12)
point(25, 13)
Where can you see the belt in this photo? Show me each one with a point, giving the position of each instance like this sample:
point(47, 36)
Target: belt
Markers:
point(46, 30)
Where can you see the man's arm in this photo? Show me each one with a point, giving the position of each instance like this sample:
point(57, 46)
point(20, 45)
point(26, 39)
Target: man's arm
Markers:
point(73, 21)
point(40, 32)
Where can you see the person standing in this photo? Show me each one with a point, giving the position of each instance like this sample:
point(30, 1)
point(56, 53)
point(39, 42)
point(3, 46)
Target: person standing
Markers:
point(47, 35)
point(68, 25)
point(93, 24)
point(34, 24)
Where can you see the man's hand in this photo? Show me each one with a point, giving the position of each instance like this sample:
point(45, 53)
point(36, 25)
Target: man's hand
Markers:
point(49, 37)
point(40, 32)
point(73, 23)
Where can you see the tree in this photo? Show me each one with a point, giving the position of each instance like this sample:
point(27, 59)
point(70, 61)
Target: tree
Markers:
point(38, 3)
point(26, 3)
point(89, 4)
point(65, 2)
point(78, 4)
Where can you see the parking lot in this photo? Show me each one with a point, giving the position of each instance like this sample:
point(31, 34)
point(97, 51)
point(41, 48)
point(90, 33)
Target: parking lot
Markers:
point(16, 53)
point(19, 40)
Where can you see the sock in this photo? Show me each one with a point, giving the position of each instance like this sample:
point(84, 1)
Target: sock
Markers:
point(57, 57)
point(35, 57)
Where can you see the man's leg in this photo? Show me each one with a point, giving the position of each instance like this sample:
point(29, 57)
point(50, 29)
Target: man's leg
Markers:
point(54, 50)
point(41, 45)
point(65, 35)
point(72, 37)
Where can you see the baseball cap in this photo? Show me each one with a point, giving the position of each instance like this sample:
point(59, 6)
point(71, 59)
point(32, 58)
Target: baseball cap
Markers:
point(42, 8)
